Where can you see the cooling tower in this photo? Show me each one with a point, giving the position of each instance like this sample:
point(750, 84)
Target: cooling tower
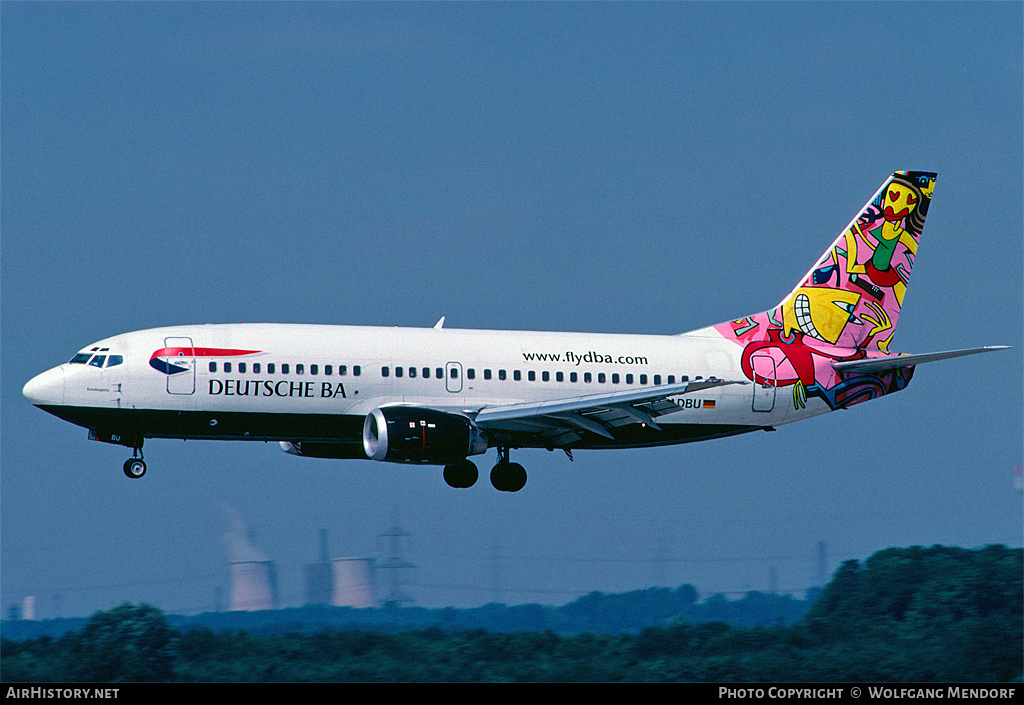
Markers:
point(253, 586)
point(353, 585)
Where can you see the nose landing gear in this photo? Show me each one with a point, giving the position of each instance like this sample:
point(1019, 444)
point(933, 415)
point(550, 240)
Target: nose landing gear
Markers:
point(135, 466)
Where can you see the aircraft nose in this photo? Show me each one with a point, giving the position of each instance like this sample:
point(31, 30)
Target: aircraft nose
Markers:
point(46, 389)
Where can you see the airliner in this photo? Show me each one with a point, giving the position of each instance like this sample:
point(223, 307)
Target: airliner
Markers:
point(439, 396)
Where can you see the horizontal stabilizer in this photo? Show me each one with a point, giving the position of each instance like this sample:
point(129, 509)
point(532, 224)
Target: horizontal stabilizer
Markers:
point(890, 363)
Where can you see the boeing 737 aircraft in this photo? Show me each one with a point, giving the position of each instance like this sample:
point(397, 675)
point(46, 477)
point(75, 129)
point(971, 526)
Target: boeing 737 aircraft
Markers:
point(438, 396)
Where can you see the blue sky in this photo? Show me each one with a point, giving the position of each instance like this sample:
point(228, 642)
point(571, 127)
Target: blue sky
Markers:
point(637, 168)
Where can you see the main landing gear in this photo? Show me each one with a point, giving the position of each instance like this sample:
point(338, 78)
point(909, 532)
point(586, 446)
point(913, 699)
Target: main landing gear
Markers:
point(506, 476)
point(461, 475)
point(135, 466)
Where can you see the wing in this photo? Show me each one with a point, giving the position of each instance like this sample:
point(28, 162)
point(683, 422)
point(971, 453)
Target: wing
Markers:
point(563, 421)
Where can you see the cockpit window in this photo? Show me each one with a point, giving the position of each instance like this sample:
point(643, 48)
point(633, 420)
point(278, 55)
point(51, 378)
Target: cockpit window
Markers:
point(97, 360)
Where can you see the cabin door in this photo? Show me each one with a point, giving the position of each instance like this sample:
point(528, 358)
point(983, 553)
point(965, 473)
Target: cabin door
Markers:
point(453, 376)
point(181, 365)
point(765, 382)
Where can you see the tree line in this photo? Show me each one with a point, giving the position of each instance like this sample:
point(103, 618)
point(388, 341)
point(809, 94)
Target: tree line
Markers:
point(905, 614)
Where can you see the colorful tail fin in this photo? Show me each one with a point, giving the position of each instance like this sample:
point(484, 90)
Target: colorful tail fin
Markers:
point(852, 297)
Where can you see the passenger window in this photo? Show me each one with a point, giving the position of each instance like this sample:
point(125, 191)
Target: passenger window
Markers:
point(487, 374)
point(300, 369)
point(643, 379)
point(114, 360)
point(587, 377)
point(629, 379)
point(314, 369)
point(559, 377)
point(385, 372)
point(615, 378)
point(501, 375)
point(256, 368)
point(342, 370)
point(517, 375)
point(271, 368)
point(685, 378)
point(412, 371)
point(213, 366)
point(545, 375)
point(572, 377)
point(426, 373)
point(328, 370)
point(81, 358)
point(454, 372)
point(356, 370)
point(241, 367)
point(398, 372)
point(98, 361)
point(600, 377)
point(531, 375)
point(671, 379)
point(440, 373)
point(657, 379)
point(227, 366)
point(285, 368)
point(470, 373)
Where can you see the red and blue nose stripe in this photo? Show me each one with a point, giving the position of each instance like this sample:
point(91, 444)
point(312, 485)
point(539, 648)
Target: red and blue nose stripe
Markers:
point(158, 362)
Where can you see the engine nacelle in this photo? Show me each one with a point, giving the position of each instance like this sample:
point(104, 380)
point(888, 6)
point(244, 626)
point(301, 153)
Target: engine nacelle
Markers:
point(408, 434)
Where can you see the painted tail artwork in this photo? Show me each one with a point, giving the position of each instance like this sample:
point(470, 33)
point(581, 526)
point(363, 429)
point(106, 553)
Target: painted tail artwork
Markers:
point(830, 338)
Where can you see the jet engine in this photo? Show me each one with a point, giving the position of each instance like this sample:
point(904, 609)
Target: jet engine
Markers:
point(407, 434)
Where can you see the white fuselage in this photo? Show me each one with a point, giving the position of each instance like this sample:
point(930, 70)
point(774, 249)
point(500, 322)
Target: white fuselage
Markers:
point(292, 382)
